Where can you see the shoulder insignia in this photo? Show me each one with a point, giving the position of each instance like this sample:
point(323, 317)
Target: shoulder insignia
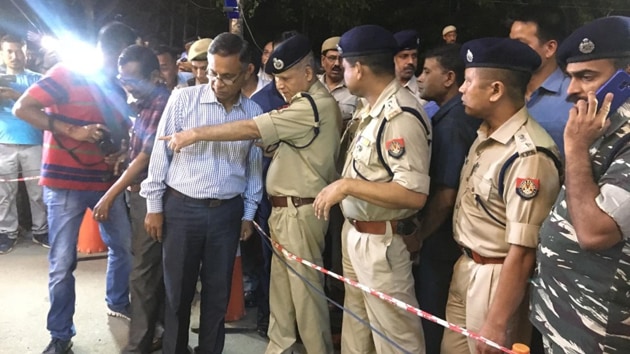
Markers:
point(527, 188)
point(392, 108)
point(524, 144)
point(395, 147)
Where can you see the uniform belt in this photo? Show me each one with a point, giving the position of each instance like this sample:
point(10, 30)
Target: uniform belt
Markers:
point(134, 188)
point(282, 202)
point(373, 227)
point(208, 202)
point(479, 259)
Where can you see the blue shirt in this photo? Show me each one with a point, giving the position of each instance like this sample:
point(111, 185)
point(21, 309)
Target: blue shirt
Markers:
point(453, 133)
point(431, 108)
point(205, 169)
point(14, 130)
point(550, 108)
point(268, 98)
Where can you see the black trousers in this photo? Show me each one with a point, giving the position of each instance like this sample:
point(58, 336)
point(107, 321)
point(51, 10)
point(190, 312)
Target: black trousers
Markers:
point(197, 234)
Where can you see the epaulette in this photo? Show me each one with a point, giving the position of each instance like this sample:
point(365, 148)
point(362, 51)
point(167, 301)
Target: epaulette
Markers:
point(524, 144)
point(392, 108)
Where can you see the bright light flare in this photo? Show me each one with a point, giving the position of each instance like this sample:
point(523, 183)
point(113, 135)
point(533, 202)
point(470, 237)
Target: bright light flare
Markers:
point(76, 54)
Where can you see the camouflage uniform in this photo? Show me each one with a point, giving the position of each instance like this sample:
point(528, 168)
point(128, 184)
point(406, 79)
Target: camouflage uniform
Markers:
point(581, 299)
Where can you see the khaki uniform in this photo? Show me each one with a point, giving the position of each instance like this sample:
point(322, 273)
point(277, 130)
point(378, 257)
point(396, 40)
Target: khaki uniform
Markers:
point(488, 222)
point(347, 101)
point(300, 173)
point(382, 261)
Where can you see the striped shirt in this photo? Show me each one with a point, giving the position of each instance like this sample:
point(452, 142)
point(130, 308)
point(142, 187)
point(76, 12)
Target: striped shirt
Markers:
point(149, 110)
point(206, 169)
point(76, 99)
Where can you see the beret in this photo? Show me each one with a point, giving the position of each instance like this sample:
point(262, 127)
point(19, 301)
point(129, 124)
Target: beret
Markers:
point(199, 49)
point(367, 40)
point(500, 53)
point(330, 43)
point(287, 54)
point(604, 38)
point(448, 29)
point(407, 39)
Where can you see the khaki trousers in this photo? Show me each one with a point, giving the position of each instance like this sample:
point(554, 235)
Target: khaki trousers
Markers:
point(469, 299)
point(380, 262)
point(291, 300)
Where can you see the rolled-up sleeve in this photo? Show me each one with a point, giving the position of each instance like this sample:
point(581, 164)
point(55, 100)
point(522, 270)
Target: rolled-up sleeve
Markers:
point(615, 201)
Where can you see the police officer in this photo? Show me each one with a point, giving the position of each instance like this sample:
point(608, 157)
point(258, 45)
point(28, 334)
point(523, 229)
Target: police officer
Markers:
point(306, 134)
point(580, 299)
point(507, 185)
point(385, 182)
point(406, 60)
point(332, 78)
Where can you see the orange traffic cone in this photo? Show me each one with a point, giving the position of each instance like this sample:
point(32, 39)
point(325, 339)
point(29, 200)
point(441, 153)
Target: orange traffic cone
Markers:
point(89, 236)
point(236, 305)
point(519, 348)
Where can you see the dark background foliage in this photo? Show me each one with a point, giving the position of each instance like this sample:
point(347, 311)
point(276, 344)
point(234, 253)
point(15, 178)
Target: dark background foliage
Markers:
point(175, 21)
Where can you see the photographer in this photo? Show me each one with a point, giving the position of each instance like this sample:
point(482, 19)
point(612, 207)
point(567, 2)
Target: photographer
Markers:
point(86, 118)
point(20, 149)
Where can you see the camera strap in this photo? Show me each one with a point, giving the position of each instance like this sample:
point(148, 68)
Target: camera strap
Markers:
point(107, 114)
point(69, 151)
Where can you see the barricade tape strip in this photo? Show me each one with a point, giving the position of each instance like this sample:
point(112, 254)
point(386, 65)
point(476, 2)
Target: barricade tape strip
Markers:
point(22, 179)
point(267, 241)
point(381, 295)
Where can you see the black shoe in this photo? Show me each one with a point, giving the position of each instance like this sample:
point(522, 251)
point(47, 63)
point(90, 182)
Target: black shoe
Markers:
point(6, 243)
point(58, 346)
point(41, 239)
point(156, 344)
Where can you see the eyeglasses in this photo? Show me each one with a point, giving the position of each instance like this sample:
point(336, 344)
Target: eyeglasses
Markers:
point(333, 58)
point(129, 81)
point(227, 81)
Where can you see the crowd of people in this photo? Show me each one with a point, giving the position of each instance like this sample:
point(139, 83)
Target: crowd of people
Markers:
point(484, 184)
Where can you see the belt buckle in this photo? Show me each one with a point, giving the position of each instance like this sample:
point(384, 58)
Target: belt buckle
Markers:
point(214, 203)
point(297, 201)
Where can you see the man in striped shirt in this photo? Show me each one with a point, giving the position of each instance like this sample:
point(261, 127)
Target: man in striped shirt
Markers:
point(201, 201)
point(306, 135)
point(81, 114)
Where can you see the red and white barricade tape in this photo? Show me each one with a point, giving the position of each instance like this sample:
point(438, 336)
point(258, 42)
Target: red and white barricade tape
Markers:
point(22, 179)
point(381, 295)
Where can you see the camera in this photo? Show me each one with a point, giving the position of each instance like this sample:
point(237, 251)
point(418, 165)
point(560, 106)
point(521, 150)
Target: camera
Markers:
point(107, 144)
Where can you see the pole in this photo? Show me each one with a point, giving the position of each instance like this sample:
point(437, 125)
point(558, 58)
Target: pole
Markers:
point(233, 9)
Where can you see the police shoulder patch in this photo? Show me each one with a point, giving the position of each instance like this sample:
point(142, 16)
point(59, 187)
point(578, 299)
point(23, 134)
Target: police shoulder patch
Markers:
point(395, 147)
point(527, 188)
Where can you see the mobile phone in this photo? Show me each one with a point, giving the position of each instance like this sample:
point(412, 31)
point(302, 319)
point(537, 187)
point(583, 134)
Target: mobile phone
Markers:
point(619, 85)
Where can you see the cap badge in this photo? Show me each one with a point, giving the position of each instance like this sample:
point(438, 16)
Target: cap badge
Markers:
point(339, 49)
point(278, 64)
point(586, 46)
point(469, 56)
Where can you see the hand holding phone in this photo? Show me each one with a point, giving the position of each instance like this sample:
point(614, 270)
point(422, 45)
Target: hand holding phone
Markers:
point(619, 85)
